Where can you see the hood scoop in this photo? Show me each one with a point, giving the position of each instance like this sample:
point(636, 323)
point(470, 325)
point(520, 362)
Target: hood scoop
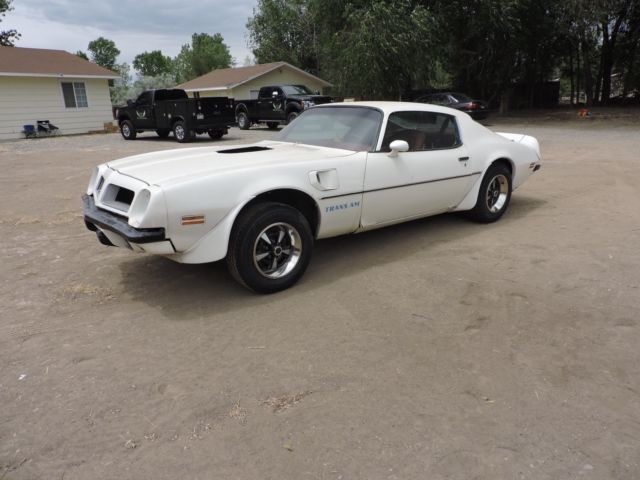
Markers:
point(244, 149)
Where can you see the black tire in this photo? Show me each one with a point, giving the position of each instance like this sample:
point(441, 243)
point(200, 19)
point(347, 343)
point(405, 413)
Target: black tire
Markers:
point(291, 117)
point(127, 131)
point(273, 125)
point(273, 265)
point(243, 121)
point(494, 195)
point(181, 133)
point(163, 132)
point(216, 134)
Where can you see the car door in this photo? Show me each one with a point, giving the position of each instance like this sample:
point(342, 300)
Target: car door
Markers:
point(264, 103)
point(144, 110)
point(433, 176)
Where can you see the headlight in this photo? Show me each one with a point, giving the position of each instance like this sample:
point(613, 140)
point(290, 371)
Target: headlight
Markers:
point(139, 207)
point(308, 103)
point(92, 181)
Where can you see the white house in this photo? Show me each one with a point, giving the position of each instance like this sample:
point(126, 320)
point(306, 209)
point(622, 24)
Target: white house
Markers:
point(53, 85)
point(243, 83)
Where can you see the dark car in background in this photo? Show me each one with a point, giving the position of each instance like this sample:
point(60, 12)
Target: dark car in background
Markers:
point(478, 109)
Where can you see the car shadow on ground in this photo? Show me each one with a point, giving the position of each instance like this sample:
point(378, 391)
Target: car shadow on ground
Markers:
point(184, 292)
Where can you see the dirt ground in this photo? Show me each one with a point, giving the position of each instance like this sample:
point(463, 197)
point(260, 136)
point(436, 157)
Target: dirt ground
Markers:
point(438, 349)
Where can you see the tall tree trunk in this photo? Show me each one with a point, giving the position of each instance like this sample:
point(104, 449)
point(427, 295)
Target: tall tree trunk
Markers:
point(588, 75)
point(578, 74)
point(571, 77)
point(608, 51)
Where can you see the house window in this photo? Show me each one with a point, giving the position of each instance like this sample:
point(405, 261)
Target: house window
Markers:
point(75, 95)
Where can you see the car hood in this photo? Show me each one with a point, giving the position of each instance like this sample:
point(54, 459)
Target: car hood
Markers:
point(172, 166)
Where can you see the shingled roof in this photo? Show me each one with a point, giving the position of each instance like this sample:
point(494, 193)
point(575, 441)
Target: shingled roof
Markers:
point(227, 78)
point(39, 62)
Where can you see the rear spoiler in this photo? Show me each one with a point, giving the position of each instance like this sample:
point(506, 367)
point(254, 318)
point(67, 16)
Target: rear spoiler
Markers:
point(527, 140)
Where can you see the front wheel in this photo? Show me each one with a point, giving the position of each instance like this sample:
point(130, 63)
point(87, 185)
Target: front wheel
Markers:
point(273, 125)
point(127, 131)
point(494, 194)
point(270, 247)
point(163, 132)
point(181, 133)
point(216, 134)
point(243, 121)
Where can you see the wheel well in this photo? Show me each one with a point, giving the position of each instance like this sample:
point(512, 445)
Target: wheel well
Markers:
point(506, 162)
point(176, 119)
point(122, 119)
point(294, 198)
point(241, 108)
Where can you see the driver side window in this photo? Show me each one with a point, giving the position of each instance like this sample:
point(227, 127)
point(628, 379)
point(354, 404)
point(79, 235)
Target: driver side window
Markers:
point(422, 131)
point(144, 98)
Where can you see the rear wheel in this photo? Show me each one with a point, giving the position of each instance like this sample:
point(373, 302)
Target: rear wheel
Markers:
point(273, 125)
point(216, 134)
point(494, 195)
point(163, 132)
point(181, 133)
point(127, 131)
point(243, 121)
point(270, 247)
point(291, 117)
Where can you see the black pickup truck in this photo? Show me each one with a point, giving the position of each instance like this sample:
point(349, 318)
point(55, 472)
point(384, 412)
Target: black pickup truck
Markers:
point(276, 105)
point(171, 110)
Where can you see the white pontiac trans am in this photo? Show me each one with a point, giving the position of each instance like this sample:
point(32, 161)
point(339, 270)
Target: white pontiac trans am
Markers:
point(338, 169)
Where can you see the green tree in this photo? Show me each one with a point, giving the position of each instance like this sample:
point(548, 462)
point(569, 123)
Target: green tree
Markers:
point(287, 31)
point(81, 54)
point(204, 54)
point(152, 63)
point(119, 91)
point(7, 37)
point(374, 48)
point(104, 52)
point(388, 47)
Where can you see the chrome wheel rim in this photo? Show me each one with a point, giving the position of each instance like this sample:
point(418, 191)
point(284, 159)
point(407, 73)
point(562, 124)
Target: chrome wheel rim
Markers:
point(277, 250)
point(242, 120)
point(126, 131)
point(179, 132)
point(497, 192)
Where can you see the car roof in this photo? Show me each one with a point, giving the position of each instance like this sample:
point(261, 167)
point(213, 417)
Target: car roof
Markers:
point(391, 107)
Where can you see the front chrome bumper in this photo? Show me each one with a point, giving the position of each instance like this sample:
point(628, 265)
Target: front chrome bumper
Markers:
point(97, 220)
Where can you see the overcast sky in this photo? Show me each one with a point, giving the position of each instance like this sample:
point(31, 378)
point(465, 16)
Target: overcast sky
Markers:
point(134, 25)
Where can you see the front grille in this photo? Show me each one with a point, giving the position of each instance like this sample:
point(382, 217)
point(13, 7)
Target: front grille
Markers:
point(125, 196)
point(118, 197)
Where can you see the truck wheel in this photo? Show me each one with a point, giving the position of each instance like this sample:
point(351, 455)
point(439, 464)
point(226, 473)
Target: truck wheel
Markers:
point(243, 121)
point(272, 125)
point(291, 117)
point(181, 133)
point(163, 132)
point(216, 134)
point(127, 131)
point(270, 247)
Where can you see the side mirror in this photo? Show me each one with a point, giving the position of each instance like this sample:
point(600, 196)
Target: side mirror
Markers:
point(398, 146)
point(129, 103)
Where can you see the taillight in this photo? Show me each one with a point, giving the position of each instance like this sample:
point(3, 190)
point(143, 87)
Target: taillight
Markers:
point(473, 106)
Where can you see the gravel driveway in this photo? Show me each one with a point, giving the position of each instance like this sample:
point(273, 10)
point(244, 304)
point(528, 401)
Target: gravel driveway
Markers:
point(436, 349)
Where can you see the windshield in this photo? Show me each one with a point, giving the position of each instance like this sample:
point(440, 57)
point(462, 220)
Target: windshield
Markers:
point(460, 97)
point(296, 90)
point(349, 128)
